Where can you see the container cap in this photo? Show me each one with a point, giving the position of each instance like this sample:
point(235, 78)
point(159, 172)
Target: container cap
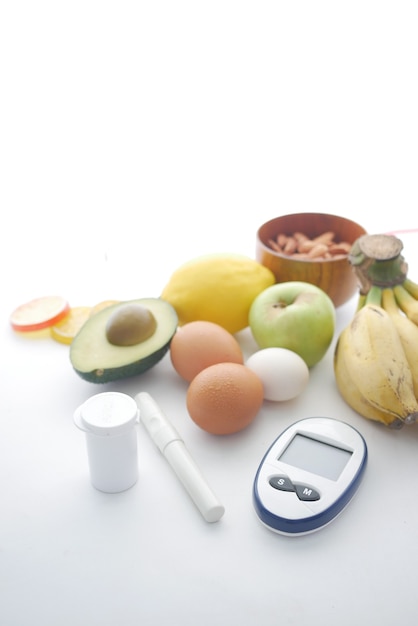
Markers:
point(107, 414)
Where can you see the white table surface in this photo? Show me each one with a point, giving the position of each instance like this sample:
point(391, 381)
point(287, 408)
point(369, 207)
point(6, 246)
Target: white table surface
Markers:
point(136, 136)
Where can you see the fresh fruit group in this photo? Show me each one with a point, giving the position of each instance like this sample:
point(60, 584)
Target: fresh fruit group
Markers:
point(375, 364)
point(98, 360)
point(375, 359)
point(217, 288)
point(294, 315)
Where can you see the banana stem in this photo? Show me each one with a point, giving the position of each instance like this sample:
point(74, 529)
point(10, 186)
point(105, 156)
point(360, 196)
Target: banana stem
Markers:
point(377, 260)
point(361, 301)
point(374, 295)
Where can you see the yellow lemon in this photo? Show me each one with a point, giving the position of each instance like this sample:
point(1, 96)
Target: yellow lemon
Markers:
point(218, 288)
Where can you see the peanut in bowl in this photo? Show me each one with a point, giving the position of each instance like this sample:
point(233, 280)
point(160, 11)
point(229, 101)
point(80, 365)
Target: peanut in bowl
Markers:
point(312, 248)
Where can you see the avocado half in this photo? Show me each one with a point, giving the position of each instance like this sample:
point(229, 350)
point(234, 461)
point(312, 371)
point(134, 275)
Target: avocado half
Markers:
point(96, 360)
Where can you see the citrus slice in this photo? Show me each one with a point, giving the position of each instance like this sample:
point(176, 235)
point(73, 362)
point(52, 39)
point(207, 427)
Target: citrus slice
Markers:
point(65, 330)
point(102, 305)
point(39, 313)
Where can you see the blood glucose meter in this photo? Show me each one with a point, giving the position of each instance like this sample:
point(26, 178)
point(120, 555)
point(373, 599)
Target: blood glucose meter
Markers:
point(308, 475)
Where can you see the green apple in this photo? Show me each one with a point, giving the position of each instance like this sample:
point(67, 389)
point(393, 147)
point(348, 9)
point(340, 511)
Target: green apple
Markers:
point(294, 315)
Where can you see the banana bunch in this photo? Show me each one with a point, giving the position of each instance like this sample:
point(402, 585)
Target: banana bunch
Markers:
point(376, 355)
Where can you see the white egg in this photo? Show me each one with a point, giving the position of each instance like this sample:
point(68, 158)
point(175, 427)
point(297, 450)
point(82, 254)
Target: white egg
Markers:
point(284, 373)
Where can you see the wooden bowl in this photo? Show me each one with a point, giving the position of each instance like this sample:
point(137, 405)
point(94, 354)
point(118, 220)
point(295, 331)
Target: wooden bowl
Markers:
point(335, 276)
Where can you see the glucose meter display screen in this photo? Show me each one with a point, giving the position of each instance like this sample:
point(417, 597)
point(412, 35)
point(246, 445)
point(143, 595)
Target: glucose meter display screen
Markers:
point(316, 457)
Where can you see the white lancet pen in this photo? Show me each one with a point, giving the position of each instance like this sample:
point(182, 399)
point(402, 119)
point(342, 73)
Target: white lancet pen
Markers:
point(172, 446)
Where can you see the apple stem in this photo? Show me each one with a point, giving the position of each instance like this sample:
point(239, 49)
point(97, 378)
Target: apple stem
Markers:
point(377, 260)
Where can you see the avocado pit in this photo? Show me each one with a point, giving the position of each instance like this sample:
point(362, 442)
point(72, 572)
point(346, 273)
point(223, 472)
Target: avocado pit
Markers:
point(130, 324)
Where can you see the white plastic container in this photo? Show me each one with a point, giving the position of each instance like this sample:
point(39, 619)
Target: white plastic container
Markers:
point(109, 420)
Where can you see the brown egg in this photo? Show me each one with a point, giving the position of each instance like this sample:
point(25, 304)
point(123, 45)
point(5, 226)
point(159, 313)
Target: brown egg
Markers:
point(224, 398)
point(199, 344)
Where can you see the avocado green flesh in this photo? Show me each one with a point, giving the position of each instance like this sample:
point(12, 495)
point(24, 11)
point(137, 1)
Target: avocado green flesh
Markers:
point(96, 360)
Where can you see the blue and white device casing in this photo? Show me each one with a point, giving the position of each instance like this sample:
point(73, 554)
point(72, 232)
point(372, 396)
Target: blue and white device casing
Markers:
point(308, 475)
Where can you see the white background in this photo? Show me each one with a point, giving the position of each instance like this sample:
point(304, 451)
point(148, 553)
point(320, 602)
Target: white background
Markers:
point(135, 136)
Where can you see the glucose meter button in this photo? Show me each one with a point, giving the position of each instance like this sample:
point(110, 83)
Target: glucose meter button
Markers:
point(306, 493)
point(281, 482)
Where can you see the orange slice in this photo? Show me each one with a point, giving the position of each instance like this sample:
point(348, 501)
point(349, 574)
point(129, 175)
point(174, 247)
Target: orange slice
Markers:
point(39, 313)
point(65, 330)
point(102, 305)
